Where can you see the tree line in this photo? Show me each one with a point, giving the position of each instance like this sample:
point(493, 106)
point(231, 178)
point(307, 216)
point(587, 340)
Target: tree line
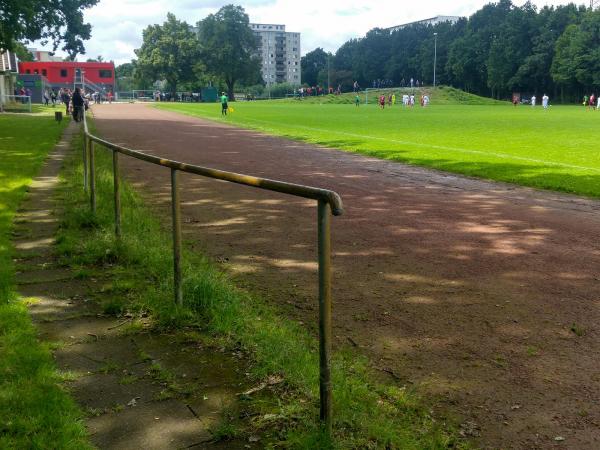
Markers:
point(500, 49)
point(219, 50)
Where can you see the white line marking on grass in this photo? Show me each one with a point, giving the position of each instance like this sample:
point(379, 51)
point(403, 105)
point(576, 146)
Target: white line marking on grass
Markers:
point(438, 147)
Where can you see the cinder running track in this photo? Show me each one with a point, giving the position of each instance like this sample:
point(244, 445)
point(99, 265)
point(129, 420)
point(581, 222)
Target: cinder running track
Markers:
point(467, 290)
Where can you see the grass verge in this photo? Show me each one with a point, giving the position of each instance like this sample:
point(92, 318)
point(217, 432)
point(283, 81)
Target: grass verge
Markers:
point(367, 414)
point(35, 412)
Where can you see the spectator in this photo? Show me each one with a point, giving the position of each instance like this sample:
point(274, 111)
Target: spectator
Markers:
point(78, 104)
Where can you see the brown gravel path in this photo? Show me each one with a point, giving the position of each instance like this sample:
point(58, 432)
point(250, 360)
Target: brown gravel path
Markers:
point(466, 289)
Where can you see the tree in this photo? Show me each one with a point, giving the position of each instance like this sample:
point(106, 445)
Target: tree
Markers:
point(22, 53)
point(228, 47)
point(576, 64)
point(169, 52)
point(311, 64)
point(98, 58)
point(53, 21)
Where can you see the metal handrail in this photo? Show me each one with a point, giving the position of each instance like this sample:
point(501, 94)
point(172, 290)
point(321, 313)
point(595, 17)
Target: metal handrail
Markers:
point(327, 199)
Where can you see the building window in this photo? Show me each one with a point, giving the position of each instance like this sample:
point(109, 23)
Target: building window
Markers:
point(63, 73)
point(44, 72)
point(105, 73)
point(27, 71)
point(35, 71)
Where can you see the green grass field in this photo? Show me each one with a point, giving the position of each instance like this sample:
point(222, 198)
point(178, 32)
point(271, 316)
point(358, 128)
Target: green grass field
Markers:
point(35, 412)
point(553, 149)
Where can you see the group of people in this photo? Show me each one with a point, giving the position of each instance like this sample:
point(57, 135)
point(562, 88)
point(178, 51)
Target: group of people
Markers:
point(23, 93)
point(591, 102)
point(64, 94)
point(407, 100)
point(75, 103)
point(545, 101)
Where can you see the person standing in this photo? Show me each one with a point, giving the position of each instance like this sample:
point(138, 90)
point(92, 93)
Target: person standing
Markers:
point(357, 100)
point(77, 105)
point(46, 98)
point(224, 104)
point(53, 97)
point(592, 101)
point(545, 101)
point(382, 101)
point(66, 99)
point(533, 100)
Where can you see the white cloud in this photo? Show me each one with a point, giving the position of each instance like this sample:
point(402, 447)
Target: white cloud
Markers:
point(118, 24)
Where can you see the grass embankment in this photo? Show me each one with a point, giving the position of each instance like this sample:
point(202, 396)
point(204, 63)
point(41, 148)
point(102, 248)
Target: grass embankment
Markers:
point(35, 412)
point(367, 414)
point(550, 149)
point(443, 95)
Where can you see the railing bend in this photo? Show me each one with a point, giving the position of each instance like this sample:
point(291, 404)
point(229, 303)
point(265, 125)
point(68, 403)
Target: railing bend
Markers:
point(328, 202)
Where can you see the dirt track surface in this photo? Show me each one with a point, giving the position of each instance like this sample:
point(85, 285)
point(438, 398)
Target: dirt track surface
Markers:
point(484, 295)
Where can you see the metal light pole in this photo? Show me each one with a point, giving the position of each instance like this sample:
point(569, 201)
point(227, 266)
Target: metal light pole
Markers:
point(434, 56)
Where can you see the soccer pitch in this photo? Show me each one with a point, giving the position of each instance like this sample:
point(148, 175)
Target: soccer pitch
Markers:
point(550, 149)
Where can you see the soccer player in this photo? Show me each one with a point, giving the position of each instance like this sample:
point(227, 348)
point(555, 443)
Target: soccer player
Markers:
point(533, 100)
point(545, 100)
point(357, 99)
point(224, 104)
point(382, 101)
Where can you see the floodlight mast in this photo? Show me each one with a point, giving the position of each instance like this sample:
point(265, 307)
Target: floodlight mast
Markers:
point(434, 56)
point(593, 3)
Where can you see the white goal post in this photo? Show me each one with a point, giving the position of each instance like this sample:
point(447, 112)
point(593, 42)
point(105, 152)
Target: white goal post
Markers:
point(15, 103)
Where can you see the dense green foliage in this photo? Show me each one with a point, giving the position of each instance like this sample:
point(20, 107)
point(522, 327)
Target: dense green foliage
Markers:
point(49, 20)
point(548, 149)
point(500, 49)
point(35, 412)
point(169, 52)
point(218, 51)
point(228, 45)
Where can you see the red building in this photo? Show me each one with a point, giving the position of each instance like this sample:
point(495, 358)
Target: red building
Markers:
point(95, 76)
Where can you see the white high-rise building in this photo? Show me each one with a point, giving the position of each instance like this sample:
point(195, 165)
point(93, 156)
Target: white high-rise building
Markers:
point(279, 52)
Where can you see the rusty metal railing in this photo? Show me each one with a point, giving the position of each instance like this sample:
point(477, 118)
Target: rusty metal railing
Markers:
point(327, 202)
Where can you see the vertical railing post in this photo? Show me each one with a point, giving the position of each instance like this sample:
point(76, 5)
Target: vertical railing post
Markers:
point(324, 232)
point(117, 193)
point(85, 162)
point(92, 176)
point(176, 213)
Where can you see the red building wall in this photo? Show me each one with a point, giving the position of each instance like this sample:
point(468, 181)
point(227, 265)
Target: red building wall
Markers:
point(62, 73)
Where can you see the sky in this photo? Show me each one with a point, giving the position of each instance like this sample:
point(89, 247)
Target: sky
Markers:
point(117, 25)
